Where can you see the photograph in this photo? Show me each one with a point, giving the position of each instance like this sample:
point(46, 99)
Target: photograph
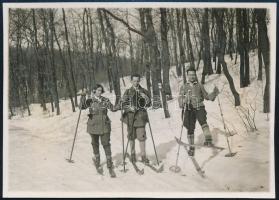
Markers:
point(139, 99)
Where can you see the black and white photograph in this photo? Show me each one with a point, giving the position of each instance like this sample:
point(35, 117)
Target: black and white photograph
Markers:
point(139, 99)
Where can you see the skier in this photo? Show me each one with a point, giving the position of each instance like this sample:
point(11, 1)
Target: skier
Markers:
point(99, 125)
point(192, 95)
point(134, 102)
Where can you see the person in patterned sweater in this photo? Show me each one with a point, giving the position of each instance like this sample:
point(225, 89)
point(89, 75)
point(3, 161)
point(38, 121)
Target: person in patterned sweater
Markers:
point(99, 124)
point(192, 95)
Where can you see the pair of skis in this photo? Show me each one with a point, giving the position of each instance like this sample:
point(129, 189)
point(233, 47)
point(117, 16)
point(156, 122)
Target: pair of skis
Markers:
point(194, 161)
point(141, 171)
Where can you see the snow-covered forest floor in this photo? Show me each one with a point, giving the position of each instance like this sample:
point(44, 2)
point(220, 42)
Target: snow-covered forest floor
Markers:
point(39, 144)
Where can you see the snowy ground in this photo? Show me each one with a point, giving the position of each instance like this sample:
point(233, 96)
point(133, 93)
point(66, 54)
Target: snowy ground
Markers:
point(39, 144)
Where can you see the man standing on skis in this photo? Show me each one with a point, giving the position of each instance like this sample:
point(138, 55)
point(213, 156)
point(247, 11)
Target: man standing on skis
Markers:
point(134, 102)
point(192, 95)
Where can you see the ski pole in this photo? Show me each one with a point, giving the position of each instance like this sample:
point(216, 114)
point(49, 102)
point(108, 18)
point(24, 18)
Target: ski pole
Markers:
point(180, 137)
point(70, 159)
point(152, 138)
point(128, 136)
point(123, 150)
point(230, 154)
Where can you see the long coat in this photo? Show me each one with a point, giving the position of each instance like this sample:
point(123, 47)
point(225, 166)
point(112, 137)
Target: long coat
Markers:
point(140, 99)
point(98, 122)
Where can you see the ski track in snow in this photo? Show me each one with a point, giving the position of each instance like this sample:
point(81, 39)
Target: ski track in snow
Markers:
point(39, 145)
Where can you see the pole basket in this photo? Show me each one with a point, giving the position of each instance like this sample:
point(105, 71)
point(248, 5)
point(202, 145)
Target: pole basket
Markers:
point(175, 169)
point(124, 171)
point(230, 154)
point(70, 160)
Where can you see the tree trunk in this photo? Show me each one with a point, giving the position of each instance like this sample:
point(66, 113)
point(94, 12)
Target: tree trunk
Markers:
point(207, 68)
point(260, 60)
point(64, 69)
point(134, 69)
point(113, 63)
point(180, 40)
point(188, 39)
point(174, 43)
point(246, 46)
point(264, 45)
point(21, 59)
point(145, 51)
point(243, 46)
point(213, 39)
point(253, 41)
point(85, 52)
point(240, 45)
point(151, 40)
point(70, 58)
point(166, 90)
point(108, 55)
point(39, 65)
point(231, 26)
point(165, 53)
point(91, 47)
point(219, 15)
point(54, 79)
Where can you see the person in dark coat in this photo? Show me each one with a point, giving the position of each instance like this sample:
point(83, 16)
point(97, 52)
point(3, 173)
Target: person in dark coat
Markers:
point(192, 95)
point(134, 102)
point(99, 124)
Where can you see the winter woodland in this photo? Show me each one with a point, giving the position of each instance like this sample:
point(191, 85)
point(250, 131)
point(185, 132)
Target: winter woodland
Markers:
point(56, 54)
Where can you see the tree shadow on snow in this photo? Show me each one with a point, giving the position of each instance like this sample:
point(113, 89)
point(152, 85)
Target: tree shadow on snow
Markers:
point(162, 150)
point(215, 132)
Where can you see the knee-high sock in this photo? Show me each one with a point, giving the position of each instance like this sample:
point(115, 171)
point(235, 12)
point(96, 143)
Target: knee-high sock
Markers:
point(107, 150)
point(132, 146)
point(142, 148)
point(206, 132)
point(191, 138)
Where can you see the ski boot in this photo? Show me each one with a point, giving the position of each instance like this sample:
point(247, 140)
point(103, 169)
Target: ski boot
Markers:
point(208, 142)
point(144, 160)
point(99, 168)
point(110, 168)
point(133, 158)
point(191, 139)
point(191, 151)
point(207, 134)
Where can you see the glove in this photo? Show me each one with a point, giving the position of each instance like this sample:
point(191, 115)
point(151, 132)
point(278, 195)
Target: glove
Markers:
point(132, 108)
point(90, 116)
point(83, 93)
point(216, 91)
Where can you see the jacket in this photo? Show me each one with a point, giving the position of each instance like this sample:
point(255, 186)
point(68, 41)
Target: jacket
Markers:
point(140, 100)
point(194, 94)
point(98, 122)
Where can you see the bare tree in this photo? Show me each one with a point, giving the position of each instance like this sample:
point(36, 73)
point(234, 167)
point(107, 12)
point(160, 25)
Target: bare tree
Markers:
point(52, 58)
point(219, 15)
point(64, 68)
point(165, 52)
point(188, 39)
point(145, 51)
point(181, 48)
point(70, 57)
point(174, 42)
point(263, 42)
point(39, 64)
point(207, 66)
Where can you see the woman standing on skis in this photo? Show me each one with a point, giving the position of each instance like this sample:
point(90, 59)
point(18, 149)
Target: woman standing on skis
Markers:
point(99, 125)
